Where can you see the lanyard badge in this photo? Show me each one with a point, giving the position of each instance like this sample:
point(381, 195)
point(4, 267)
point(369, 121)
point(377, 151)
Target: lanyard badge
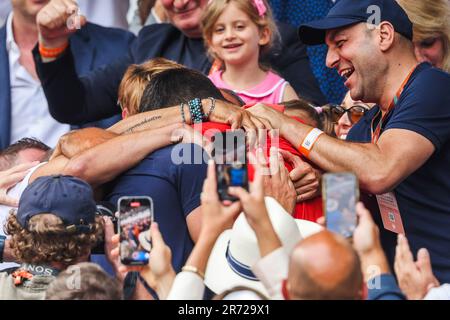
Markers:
point(387, 202)
point(376, 130)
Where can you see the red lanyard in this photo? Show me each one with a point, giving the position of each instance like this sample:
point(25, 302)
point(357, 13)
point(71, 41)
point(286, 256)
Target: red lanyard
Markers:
point(376, 134)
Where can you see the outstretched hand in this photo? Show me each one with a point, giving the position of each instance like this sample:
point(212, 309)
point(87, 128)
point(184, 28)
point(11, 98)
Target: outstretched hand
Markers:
point(366, 241)
point(415, 278)
point(57, 21)
point(306, 179)
point(9, 178)
point(216, 216)
point(158, 273)
point(256, 213)
point(277, 183)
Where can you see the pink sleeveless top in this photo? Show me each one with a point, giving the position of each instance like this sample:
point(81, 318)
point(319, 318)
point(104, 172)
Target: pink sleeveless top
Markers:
point(270, 90)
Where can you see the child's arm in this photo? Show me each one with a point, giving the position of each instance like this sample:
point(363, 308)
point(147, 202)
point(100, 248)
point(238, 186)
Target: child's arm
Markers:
point(289, 93)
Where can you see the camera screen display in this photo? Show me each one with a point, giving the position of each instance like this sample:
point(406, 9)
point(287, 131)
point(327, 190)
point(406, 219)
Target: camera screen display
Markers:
point(230, 156)
point(135, 218)
point(340, 196)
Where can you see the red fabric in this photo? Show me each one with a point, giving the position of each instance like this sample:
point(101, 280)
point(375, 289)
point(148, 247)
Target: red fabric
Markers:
point(307, 210)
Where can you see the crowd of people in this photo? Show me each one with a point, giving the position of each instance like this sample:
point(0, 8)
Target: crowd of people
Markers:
point(106, 100)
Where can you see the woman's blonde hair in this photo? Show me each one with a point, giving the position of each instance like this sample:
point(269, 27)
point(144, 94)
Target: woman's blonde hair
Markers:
point(217, 7)
point(430, 19)
point(136, 79)
point(47, 241)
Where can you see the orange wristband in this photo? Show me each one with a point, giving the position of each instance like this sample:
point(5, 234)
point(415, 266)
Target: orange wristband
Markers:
point(52, 52)
point(309, 141)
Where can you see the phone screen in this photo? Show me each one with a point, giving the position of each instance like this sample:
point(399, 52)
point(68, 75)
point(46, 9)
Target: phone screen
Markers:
point(135, 218)
point(340, 194)
point(230, 156)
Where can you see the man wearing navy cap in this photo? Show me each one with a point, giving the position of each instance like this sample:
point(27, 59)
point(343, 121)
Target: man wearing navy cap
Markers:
point(402, 154)
point(55, 226)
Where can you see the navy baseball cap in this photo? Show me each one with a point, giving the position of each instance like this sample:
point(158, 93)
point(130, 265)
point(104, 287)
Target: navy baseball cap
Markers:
point(347, 12)
point(69, 198)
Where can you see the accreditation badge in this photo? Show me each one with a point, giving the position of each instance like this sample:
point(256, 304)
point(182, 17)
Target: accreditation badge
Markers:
point(390, 213)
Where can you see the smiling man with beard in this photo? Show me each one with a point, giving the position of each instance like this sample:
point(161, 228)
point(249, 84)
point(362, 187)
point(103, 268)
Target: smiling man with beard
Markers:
point(402, 149)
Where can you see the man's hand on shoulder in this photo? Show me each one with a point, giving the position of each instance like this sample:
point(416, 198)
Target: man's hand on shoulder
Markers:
point(77, 141)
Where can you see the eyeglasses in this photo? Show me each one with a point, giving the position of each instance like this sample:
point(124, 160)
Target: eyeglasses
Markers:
point(355, 112)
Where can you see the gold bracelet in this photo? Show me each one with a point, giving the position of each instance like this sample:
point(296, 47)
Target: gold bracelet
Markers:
point(194, 270)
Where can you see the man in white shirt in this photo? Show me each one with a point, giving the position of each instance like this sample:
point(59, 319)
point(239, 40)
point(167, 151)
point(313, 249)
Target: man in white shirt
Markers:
point(23, 104)
point(29, 109)
point(26, 151)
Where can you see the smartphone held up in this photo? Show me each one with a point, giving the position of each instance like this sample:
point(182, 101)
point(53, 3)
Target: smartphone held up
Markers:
point(340, 193)
point(230, 156)
point(135, 218)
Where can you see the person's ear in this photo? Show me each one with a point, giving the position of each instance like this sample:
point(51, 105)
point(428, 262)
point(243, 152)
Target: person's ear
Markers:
point(386, 35)
point(125, 113)
point(264, 36)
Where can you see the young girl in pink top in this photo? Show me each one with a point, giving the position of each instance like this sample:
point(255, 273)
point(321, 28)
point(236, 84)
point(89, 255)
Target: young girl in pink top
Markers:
point(237, 32)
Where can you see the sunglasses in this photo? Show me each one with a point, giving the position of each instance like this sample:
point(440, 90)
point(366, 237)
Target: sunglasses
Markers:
point(354, 113)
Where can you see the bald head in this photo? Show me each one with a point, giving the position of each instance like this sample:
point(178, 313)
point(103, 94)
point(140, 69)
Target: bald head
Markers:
point(324, 266)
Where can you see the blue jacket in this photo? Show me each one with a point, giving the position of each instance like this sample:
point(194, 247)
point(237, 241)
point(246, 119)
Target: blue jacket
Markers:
point(76, 100)
point(384, 287)
point(93, 47)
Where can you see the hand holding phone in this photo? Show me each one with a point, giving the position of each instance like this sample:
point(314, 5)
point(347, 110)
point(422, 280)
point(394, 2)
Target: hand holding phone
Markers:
point(230, 156)
point(340, 193)
point(135, 218)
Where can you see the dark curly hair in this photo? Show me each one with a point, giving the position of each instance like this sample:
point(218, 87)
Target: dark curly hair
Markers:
point(46, 240)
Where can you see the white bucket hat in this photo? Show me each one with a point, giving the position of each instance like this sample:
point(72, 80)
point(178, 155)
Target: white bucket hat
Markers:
point(236, 250)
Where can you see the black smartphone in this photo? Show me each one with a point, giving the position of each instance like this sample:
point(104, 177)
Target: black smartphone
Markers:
point(230, 155)
point(340, 193)
point(135, 219)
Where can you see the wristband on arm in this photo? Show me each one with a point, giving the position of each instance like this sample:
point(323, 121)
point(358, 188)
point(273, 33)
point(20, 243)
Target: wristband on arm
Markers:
point(309, 141)
point(52, 53)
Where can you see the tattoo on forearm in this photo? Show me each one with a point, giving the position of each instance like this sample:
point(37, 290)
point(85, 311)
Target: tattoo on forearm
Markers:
point(146, 120)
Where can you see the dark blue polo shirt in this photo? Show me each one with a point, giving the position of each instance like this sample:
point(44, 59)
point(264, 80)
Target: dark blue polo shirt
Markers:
point(175, 189)
point(423, 197)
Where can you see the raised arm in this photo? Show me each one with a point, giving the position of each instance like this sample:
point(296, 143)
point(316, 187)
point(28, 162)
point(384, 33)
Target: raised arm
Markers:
point(77, 100)
point(72, 99)
point(107, 160)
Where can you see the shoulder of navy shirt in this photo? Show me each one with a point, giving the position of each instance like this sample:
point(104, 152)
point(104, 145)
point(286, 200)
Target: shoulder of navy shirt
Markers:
point(422, 197)
point(174, 188)
point(93, 46)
